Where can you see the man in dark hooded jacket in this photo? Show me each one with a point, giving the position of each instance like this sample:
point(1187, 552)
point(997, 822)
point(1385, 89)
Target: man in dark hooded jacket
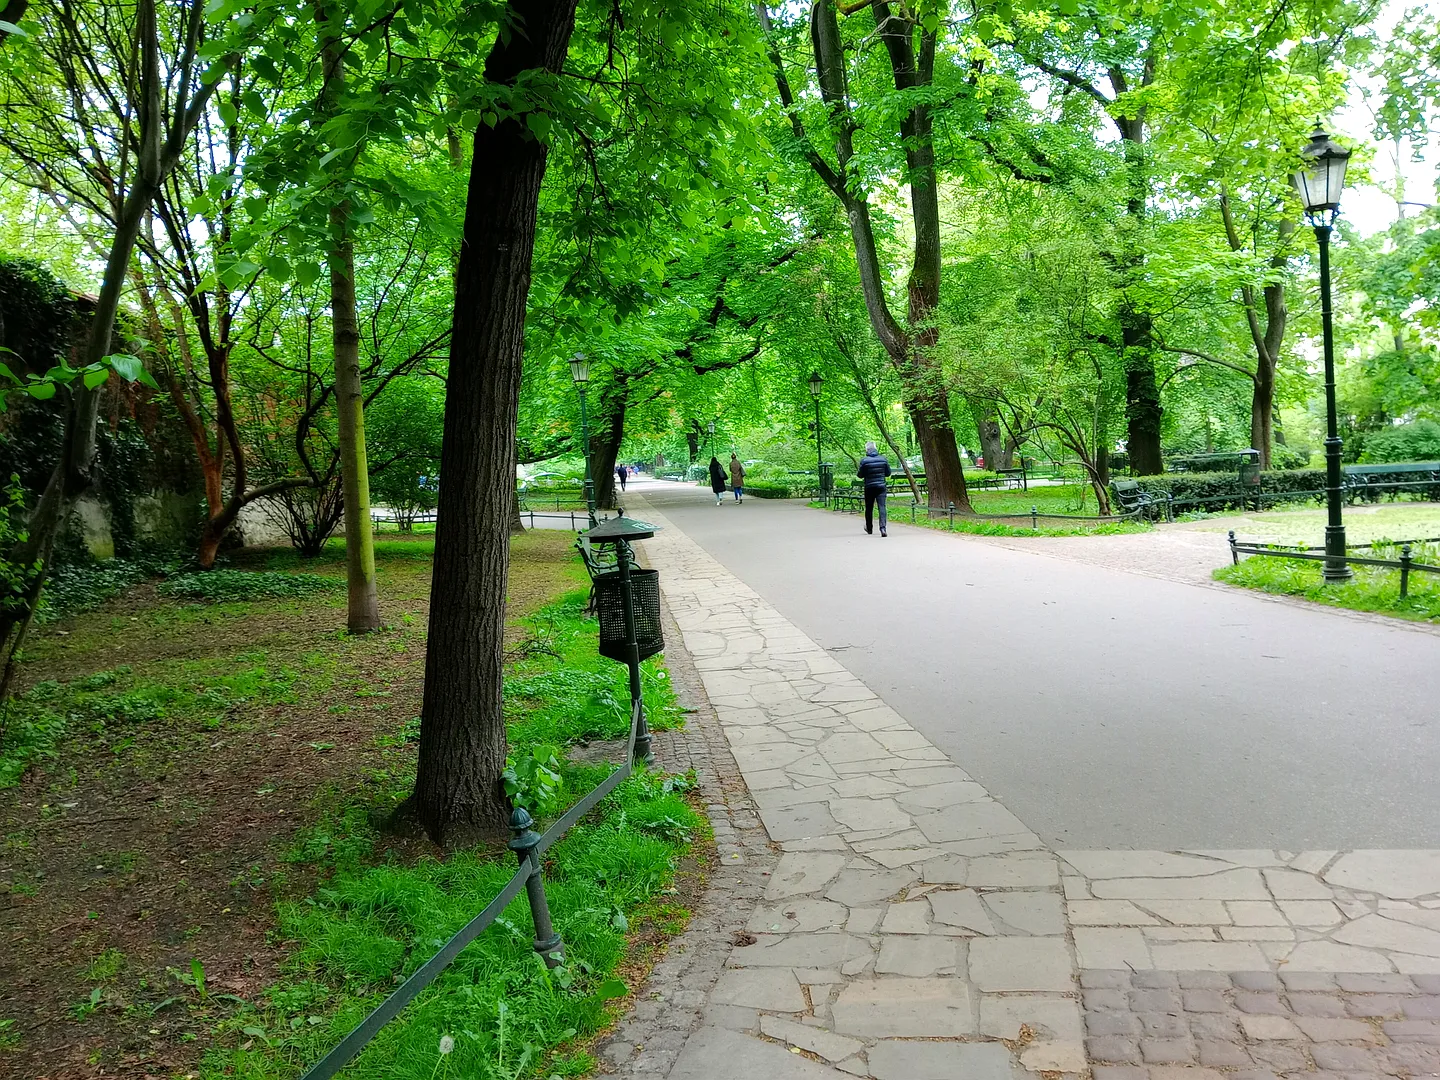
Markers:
point(874, 470)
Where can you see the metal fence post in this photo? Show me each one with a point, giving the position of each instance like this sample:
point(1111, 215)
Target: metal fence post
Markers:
point(1035, 517)
point(1234, 555)
point(952, 515)
point(1404, 570)
point(547, 942)
point(913, 504)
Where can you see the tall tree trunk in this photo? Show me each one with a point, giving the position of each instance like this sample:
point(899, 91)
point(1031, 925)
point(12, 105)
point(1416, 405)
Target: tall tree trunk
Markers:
point(1142, 394)
point(458, 793)
point(605, 446)
point(1143, 412)
point(1268, 338)
point(928, 397)
point(987, 427)
point(363, 603)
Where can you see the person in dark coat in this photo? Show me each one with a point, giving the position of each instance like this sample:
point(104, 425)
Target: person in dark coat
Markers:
point(622, 473)
point(874, 470)
point(717, 479)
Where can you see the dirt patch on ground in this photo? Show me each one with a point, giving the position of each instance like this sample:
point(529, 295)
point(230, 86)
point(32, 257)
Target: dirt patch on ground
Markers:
point(141, 864)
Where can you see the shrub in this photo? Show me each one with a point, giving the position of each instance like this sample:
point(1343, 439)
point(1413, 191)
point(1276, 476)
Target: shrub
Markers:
point(222, 586)
point(1416, 441)
point(1223, 491)
point(767, 489)
point(1289, 457)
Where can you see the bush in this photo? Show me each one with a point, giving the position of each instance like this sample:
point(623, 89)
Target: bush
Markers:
point(1289, 457)
point(767, 489)
point(1416, 441)
point(1223, 491)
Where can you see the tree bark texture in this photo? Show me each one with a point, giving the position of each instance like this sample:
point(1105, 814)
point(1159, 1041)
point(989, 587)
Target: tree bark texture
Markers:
point(988, 428)
point(458, 793)
point(362, 600)
point(608, 431)
point(1143, 411)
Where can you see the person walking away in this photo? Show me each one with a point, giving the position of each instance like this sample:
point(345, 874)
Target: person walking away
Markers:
point(737, 478)
point(717, 479)
point(622, 473)
point(874, 470)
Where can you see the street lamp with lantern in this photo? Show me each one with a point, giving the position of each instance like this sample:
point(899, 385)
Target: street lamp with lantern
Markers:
point(710, 436)
point(1319, 182)
point(580, 372)
point(815, 383)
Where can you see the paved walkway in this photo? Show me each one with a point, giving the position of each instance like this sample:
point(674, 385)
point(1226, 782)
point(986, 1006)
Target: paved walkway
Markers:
point(915, 929)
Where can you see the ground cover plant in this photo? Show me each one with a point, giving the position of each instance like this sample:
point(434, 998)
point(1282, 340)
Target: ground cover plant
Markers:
point(189, 850)
point(1372, 588)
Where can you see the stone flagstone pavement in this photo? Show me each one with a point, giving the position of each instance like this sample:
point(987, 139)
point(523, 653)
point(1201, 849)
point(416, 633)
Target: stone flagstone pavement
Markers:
point(915, 929)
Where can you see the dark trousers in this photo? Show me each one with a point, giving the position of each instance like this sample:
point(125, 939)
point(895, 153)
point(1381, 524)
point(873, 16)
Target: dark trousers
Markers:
point(874, 496)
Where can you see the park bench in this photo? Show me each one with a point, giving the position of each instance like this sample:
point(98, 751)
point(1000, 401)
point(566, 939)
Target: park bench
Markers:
point(1371, 481)
point(1135, 501)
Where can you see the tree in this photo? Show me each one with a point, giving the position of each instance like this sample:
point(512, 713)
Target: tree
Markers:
point(462, 734)
point(363, 603)
point(910, 39)
point(73, 63)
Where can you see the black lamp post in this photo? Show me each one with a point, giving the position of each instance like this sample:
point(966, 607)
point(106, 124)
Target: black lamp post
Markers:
point(710, 437)
point(580, 372)
point(1319, 182)
point(815, 383)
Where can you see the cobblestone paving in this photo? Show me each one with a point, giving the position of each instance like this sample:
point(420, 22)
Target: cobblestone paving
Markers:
point(914, 929)
point(1151, 1025)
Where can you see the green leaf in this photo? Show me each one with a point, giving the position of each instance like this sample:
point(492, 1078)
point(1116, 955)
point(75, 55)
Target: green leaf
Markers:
point(7, 373)
point(96, 378)
point(611, 989)
point(539, 125)
point(228, 113)
point(126, 366)
point(41, 391)
point(307, 273)
point(11, 28)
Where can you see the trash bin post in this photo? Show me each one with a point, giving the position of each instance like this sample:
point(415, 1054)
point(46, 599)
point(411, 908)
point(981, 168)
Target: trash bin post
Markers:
point(643, 752)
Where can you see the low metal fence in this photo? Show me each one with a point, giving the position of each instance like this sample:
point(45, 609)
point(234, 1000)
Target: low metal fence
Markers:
point(1405, 564)
point(855, 504)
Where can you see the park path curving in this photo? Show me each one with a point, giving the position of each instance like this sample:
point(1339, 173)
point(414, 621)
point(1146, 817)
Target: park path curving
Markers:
point(918, 926)
point(1109, 709)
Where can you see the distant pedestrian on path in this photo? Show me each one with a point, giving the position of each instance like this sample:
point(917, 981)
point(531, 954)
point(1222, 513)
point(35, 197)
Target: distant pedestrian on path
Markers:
point(623, 474)
point(717, 479)
point(873, 470)
point(737, 477)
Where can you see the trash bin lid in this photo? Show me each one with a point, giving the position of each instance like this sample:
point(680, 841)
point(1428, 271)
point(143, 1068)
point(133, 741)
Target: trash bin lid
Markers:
point(620, 528)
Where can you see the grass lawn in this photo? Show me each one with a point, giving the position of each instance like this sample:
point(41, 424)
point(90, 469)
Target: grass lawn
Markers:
point(192, 881)
point(1373, 588)
point(1363, 524)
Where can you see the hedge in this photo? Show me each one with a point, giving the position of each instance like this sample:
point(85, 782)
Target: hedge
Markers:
point(767, 489)
point(1224, 491)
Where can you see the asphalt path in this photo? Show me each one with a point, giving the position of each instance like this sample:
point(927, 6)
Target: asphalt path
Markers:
point(1109, 709)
